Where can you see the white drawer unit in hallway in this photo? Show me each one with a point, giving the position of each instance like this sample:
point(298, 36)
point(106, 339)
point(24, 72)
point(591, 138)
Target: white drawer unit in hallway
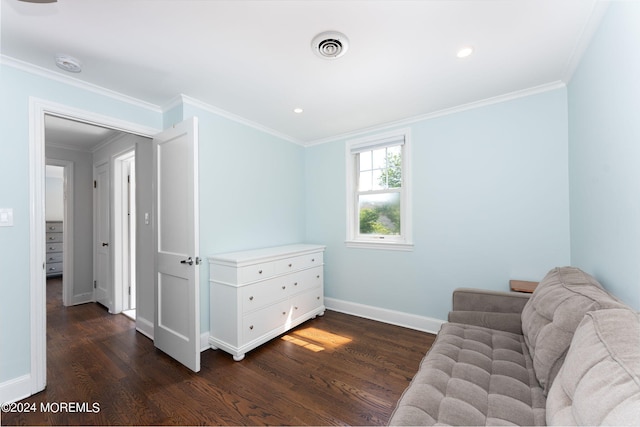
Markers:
point(259, 294)
point(54, 248)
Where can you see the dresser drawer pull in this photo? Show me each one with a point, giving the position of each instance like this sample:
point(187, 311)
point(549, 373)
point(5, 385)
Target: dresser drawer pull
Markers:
point(290, 265)
point(52, 238)
point(295, 284)
point(251, 298)
point(295, 308)
point(251, 327)
point(313, 260)
point(284, 313)
point(52, 228)
point(51, 248)
point(259, 271)
point(317, 297)
point(283, 287)
point(318, 276)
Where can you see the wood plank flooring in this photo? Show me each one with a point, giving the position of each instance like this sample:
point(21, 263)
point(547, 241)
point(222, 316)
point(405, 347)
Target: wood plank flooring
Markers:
point(333, 370)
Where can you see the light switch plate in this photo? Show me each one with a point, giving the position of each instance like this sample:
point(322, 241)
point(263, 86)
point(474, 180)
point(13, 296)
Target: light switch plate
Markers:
point(6, 217)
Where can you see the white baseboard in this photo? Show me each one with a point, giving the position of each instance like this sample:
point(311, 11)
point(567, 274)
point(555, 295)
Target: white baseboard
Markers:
point(204, 341)
point(412, 321)
point(15, 389)
point(145, 327)
point(82, 298)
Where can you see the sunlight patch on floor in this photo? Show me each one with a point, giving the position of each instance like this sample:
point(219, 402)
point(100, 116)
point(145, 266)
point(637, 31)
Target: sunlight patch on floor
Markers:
point(308, 336)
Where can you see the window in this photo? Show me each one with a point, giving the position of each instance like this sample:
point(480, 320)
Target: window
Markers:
point(378, 197)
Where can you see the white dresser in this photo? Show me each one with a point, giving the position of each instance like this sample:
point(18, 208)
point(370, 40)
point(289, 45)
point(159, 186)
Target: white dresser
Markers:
point(259, 294)
point(54, 248)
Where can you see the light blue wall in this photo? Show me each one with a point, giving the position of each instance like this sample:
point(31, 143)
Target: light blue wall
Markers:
point(604, 150)
point(491, 203)
point(251, 191)
point(16, 87)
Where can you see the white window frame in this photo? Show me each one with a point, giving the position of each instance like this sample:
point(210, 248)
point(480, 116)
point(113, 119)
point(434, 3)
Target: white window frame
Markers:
point(404, 241)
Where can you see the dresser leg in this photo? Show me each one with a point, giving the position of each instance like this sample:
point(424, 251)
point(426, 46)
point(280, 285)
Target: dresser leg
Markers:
point(238, 358)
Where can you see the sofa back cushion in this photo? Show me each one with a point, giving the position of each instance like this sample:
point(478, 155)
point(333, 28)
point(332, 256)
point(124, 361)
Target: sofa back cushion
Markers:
point(599, 383)
point(553, 313)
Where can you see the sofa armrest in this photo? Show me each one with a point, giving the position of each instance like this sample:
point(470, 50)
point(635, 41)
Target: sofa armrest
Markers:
point(466, 299)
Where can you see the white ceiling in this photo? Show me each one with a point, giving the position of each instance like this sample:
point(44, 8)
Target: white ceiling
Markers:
point(253, 58)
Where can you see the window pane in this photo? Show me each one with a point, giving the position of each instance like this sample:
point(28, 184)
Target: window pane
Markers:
point(379, 180)
point(365, 161)
point(379, 213)
point(378, 158)
point(364, 182)
point(394, 168)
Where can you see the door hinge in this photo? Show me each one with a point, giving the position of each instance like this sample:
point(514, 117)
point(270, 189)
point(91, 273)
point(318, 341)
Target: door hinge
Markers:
point(95, 284)
point(129, 290)
point(95, 184)
point(128, 178)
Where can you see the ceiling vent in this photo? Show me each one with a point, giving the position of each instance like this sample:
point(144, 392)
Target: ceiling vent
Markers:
point(68, 63)
point(330, 45)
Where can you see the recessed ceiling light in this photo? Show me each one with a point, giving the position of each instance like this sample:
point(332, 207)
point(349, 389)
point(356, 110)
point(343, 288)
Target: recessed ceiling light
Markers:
point(68, 63)
point(298, 110)
point(464, 52)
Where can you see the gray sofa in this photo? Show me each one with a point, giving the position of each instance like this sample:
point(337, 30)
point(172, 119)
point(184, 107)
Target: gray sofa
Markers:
point(568, 354)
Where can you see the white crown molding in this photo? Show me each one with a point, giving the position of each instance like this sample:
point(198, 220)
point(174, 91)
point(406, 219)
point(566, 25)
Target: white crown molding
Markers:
point(52, 75)
point(231, 116)
point(460, 108)
point(584, 40)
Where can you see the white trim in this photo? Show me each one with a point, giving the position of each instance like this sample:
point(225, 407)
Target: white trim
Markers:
point(598, 11)
point(227, 115)
point(399, 318)
point(67, 229)
point(71, 81)
point(390, 246)
point(144, 326)
point(38, 108)
point(204, 341)
point(444, 112)
point(15, 389)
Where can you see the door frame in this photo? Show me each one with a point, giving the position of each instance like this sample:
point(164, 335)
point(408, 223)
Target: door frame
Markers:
point(38, 108)
point(67, 229)
point(122, 233)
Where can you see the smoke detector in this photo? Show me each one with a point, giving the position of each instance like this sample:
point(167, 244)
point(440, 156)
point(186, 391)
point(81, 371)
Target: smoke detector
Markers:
point(330, 45)
point(68, 63)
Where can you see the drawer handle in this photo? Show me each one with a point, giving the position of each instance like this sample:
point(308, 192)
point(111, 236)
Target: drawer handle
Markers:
point(52, 269)
point(318, 276)
point(251, 327)
point(284, 287)
point(51, 248)
point(251, 298)
point(295, 284)
point(296, 308)
point(284, 313)
point(317, 297)
point(259, 271)
point(52, 228)
point(313, 260)
point(52, 238)
point(290, 265)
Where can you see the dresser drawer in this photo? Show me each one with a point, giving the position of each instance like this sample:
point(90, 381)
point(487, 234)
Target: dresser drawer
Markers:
point(54, 257)
point(262, 321)
point(305, 302)
point(54, 247)
point(55, 268)
point(54, 227)
point(255, 272)
point(263, 293)
point(54, 237)
point(288, 265)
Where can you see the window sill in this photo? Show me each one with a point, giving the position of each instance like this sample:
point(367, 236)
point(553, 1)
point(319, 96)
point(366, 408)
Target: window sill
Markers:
point(390, 246)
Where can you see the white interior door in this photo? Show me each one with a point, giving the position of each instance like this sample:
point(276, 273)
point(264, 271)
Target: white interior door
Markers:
point(177, 288)
point(102, 281)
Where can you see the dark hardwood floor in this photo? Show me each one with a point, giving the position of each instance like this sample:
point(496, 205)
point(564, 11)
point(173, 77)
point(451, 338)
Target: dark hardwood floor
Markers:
point(333, 370)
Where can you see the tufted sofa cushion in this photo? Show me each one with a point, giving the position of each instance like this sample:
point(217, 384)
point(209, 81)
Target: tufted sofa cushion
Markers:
point(553, 313)
point(599, 382)
point(473, 376)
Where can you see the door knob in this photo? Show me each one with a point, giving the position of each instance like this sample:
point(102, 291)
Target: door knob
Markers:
point(187, 261)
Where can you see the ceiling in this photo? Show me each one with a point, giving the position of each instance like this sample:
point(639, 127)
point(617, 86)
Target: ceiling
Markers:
point(75, 135)
point(253, 59)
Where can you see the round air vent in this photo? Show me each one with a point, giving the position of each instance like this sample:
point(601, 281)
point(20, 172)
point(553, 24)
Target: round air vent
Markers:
point(68, 63)
point(330, 45)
